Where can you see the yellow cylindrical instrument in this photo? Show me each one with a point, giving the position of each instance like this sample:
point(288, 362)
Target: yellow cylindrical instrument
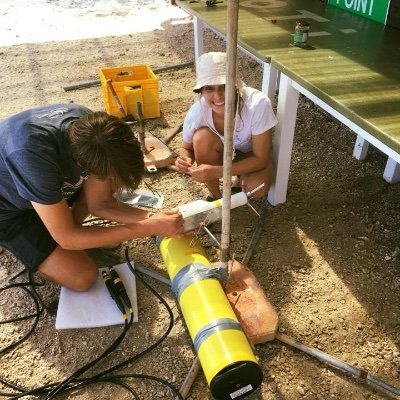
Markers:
point(225, 354)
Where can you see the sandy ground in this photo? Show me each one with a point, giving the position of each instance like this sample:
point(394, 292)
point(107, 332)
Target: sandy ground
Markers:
point(328, 258)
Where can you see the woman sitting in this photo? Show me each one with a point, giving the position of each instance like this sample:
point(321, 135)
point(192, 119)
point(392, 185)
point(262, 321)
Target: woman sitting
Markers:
point(201, 152)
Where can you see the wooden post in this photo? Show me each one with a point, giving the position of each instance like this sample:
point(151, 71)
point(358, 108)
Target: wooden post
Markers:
point(229, 125)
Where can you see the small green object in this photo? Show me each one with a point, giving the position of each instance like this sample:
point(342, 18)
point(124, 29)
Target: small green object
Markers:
point(301, 30)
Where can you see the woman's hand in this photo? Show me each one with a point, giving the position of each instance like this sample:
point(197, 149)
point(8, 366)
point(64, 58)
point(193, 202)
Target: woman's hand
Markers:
point(183, 164)
point(205, 172)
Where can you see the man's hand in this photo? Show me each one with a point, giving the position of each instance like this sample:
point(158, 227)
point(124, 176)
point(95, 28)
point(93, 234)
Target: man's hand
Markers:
point(183, 163)
point(204, 172)
point(169, 223)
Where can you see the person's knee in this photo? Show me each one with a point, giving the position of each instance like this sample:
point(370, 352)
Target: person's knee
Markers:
point(85, 280)
point(204, 137)
point(253, 182)
point(74, 270)
point(207, 146)
point(260, 193)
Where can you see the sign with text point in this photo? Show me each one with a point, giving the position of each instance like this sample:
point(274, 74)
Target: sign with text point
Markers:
point(372, 9)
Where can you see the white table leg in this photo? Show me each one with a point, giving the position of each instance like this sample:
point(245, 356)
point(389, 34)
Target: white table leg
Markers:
point(360, 148)
point(270, 81)
point(283, 138)
point(198, 37)
point(392, 171)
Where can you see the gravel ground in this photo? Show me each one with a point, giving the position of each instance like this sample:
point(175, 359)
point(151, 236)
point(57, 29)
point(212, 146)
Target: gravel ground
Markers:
point(328, 258)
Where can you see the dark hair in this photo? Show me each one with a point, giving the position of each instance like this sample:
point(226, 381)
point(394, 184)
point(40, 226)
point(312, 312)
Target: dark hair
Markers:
point(107, 148)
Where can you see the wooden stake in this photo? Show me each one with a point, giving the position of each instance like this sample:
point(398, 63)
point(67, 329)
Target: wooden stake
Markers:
point(173, 133)
point(115, 96)
point(87, 84)
point(229, 124)
point(253, 309)
point(190, 378)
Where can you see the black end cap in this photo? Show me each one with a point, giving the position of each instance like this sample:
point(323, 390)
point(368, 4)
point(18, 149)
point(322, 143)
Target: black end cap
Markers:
point(238, 380)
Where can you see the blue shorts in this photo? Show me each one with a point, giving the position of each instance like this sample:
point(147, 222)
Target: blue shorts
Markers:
point(27, 238)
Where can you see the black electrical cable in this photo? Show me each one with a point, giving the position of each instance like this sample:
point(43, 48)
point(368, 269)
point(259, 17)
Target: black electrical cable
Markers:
point(162, 338)
point(63, 384)
point(24, 317)
point(36, 315)
point(105, 374)
point(73, 382)
point(112, 380)
point(128, 388)
point(151, 378)
point(30, 288)
point(10, 385)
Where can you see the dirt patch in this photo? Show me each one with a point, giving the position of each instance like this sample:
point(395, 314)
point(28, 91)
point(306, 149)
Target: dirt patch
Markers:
point(327, 259)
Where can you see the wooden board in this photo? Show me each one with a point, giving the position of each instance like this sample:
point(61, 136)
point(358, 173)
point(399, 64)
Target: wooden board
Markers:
point(250, 304)
point(159, 155)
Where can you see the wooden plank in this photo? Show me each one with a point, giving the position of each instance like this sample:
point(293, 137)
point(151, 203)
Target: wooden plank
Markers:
point(255, 312)
point(158, 154)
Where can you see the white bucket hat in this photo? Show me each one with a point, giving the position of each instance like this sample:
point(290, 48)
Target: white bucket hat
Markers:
point(211, 70)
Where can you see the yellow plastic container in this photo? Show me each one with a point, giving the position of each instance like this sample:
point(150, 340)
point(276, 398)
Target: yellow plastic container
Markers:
point(131, 84)
point(226, 356)
point(133, 95)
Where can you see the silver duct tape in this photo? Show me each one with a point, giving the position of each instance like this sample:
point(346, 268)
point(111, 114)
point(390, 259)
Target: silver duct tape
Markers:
point(190, 274)
point(217, 325)
point(159, 240)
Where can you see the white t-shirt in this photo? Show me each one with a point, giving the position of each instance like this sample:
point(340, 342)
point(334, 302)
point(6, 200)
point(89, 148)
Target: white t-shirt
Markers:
point(255, 117)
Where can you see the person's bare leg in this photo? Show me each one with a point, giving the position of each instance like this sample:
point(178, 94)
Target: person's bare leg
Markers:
point(73, 269)
point(251, 181)
point(70, 268)
point(208, 149)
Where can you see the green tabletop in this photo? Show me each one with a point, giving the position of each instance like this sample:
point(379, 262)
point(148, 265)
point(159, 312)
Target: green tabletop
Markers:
point(351, 63)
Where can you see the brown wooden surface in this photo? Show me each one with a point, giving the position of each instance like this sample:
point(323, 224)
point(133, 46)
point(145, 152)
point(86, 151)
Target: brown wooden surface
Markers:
point(158, 155)
point(256, 314)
